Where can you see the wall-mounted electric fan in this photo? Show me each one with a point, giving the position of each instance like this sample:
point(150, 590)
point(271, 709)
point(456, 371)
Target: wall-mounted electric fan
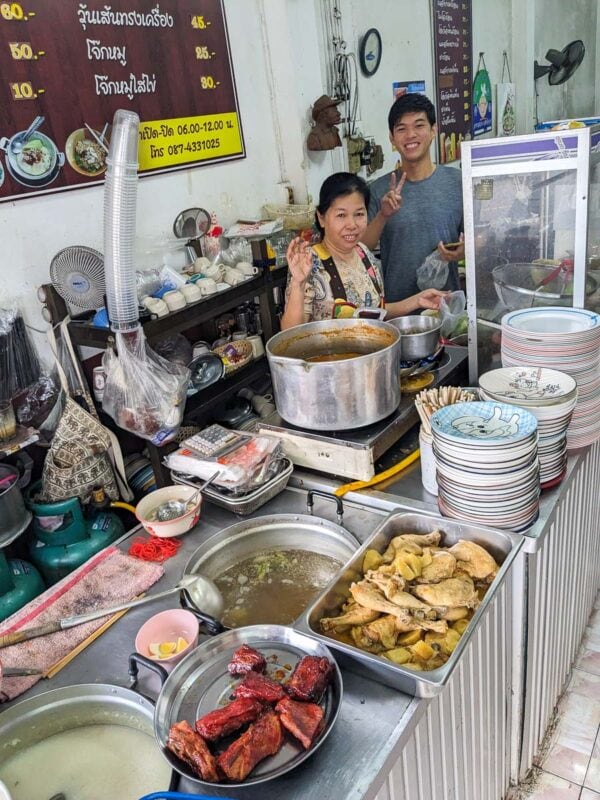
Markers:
point(563, 63)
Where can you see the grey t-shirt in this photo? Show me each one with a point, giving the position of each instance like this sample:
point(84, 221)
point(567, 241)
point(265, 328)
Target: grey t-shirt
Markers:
point(431, 211)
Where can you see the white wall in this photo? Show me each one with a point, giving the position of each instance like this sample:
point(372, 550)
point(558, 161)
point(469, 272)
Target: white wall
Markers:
point(280, 64)
point(557, 24)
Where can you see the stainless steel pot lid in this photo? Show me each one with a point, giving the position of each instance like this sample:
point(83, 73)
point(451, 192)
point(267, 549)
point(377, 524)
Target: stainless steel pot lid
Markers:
point(200, 683)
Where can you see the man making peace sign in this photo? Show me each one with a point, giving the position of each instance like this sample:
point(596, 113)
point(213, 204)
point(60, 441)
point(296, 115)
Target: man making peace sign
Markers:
point(418, 208)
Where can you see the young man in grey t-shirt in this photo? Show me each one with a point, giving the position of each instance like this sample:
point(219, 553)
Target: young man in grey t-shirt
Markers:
point(417, 209)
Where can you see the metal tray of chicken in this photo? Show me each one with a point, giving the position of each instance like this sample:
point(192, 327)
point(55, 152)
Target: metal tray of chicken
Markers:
point(201, 683)
point(504, 547)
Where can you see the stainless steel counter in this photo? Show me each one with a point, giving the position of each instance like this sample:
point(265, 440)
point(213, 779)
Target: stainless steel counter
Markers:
point(405, 490)
point(373, 720)
point(380, 733)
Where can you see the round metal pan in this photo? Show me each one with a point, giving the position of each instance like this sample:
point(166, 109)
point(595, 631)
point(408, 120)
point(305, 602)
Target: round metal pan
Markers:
point(200, 683)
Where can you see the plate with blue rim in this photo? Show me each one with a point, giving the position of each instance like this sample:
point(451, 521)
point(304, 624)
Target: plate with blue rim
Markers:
point(483, 423)
point(552, 321)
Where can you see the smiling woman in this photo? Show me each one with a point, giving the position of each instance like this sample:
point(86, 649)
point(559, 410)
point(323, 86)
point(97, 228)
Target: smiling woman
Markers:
point(340, 275)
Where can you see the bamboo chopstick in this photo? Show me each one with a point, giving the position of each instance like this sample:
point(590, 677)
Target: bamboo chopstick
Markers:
point(429, 401)
point(52, 670)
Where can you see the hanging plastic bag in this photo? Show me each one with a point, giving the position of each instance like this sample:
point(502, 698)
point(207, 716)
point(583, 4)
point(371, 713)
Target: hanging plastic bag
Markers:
point(452, 312)
point(433, 272)
point(144, 393)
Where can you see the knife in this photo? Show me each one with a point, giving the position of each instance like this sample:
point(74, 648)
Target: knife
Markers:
point(19, 672)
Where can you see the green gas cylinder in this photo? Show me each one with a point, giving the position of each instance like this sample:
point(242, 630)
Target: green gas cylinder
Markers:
point(19, 583)
point(63, 538)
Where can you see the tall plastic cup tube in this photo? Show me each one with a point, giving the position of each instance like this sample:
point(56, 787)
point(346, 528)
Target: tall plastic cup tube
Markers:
point(120, 196)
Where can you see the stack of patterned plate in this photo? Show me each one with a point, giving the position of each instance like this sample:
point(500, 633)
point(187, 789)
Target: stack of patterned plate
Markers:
point(140, 474)
point(487, 464)
point(565, 339)
point(551, 397)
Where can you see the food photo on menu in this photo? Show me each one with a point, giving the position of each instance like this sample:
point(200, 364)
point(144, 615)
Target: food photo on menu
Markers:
point(32, 158)
point(86, 149)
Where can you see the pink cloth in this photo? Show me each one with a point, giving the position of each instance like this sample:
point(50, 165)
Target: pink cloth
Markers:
point(107, 579)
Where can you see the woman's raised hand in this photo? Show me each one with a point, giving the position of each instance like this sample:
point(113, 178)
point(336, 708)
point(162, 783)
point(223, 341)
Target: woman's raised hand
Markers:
point(299, 259)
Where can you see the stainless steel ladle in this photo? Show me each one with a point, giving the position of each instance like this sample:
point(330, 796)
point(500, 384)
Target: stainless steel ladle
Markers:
point(201, 590)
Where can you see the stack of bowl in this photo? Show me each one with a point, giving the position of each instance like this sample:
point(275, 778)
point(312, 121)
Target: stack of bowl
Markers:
point(551, 397)
point(565, 339)
point(487, 464)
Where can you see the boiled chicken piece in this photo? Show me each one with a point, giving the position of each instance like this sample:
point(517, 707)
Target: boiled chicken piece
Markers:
point(411, 543)
point(389, 584)
point(452, 614)
point(383, 631)
point(392, 587)
point(355, 615)
point(450, 593)
point(474, 560)
point(442, 566)
point(369, 596)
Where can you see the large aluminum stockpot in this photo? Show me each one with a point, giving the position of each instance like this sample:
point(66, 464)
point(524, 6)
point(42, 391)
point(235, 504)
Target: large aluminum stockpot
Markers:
point(336, 395)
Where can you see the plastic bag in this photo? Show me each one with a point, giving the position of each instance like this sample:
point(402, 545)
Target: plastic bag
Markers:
point(176, 349)
point(39, 405)
point(19, 364)
point(239, 471)
point(144, 393)
point(452, 309)
point(433, 272)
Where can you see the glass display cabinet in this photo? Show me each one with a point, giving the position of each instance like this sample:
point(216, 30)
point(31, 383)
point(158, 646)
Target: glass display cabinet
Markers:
point(532, 229)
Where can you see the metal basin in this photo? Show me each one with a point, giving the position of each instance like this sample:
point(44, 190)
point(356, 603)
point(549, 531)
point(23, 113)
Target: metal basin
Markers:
point(336, 395)
point(419, 336)
point(38, 718)
point(275, 532)
point(503, 546)
point(520, 286)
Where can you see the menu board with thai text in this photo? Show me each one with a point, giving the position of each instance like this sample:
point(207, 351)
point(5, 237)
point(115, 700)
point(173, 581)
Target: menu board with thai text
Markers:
point(67, 66)
point(453, 67)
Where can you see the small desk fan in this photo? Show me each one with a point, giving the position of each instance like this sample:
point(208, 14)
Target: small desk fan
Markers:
point(77, 274)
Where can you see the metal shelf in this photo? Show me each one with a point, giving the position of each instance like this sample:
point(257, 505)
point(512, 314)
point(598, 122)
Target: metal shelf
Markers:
point(84, 334)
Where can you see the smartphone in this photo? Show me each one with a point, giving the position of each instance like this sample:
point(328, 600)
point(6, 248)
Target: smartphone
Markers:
point(452, 245)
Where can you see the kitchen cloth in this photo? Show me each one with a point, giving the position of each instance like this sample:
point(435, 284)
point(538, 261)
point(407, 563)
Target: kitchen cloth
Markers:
point(107, 579)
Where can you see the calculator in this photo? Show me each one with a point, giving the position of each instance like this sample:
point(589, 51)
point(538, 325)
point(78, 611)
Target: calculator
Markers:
point(215, 441)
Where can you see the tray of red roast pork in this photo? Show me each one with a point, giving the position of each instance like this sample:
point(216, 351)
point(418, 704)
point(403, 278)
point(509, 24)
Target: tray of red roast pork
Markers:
point(247, 706)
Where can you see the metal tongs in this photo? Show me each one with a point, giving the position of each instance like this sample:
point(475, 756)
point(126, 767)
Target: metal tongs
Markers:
point(564, 270)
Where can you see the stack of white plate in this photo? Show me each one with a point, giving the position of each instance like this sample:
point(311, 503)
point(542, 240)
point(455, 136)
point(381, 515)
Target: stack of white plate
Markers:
point(487, 464)
point(565, 339)
point(551, 397)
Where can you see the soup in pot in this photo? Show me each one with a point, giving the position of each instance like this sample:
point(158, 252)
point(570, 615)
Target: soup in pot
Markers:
point(332, 357)
point(273, 586)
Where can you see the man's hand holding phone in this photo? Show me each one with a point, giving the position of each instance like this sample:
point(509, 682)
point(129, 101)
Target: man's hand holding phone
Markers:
point(452, 251)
